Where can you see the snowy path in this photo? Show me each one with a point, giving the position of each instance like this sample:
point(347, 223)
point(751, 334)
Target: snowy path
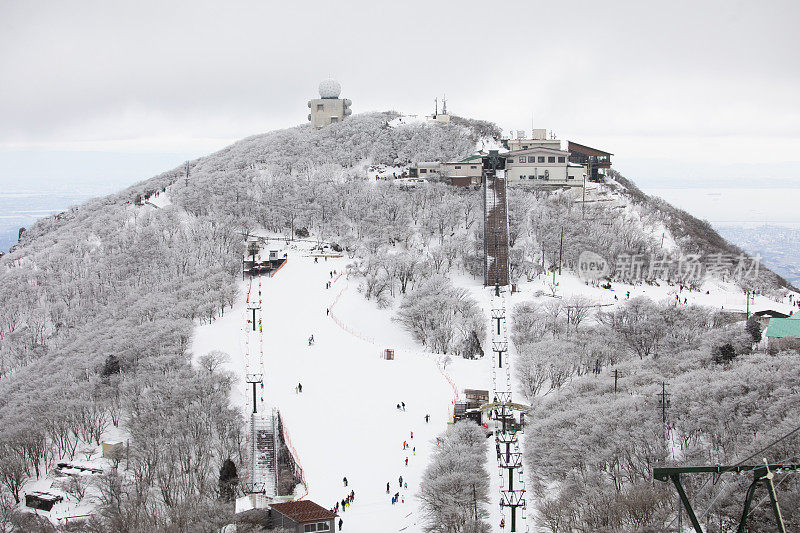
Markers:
point(345, 422)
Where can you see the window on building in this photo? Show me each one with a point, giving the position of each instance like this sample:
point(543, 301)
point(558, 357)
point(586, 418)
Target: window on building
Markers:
point(522, 159)
point(524, 146)
point(523, 176)
point(334, 119)
point(561, 159)
point(423, 171)
point(541, 159)
point(570, 177)
point(510, 160)
point(473, 167)
point(319, 526)
point(320, 107)
point(551, 159)
point(458, 166)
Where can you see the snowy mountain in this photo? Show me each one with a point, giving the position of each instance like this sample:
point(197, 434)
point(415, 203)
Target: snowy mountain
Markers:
point(111, 309)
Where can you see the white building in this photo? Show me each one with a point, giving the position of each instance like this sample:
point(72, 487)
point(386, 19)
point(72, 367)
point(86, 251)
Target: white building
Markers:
point(328, 108)
point(542, 166)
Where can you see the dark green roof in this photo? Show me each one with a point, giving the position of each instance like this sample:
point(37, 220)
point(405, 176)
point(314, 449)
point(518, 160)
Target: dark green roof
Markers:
point(471, 158)
point(784, 327)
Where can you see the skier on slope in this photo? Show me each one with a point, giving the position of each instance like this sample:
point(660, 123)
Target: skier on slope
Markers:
point(401, 481)
point(387, 487)
point(344, 480)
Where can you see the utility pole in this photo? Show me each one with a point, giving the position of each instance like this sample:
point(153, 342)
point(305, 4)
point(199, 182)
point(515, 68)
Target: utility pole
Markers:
point(616, 377)
point(663, 404)
point(544, 267)
point(560, 250)
point(186, 181)
point(747, 302)
point(583, 204)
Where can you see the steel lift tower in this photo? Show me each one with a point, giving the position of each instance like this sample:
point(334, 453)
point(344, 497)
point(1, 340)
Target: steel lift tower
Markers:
point(496, 277)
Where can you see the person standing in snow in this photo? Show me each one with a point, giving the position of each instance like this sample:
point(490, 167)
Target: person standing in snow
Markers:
point(427, 418)
point(387, 487)
point(401, 481)
point(404, 405)
point(340, 524)
point(344, 480)
point(406, 461)
point(299, 387)
point(412, 434)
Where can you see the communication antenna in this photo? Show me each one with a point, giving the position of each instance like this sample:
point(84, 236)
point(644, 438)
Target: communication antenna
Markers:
point(444, 104)
point(436, 109)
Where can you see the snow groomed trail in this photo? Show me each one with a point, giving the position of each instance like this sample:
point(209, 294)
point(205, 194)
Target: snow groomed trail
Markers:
point(345, 423)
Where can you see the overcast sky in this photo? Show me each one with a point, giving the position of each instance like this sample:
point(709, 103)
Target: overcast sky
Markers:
point(125, 89)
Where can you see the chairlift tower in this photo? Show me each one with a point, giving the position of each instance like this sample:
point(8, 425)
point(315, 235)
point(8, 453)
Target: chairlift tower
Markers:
point(496, 277)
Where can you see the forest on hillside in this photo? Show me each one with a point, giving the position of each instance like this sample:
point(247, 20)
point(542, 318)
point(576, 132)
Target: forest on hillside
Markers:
point(99, 302)
point(598, 427)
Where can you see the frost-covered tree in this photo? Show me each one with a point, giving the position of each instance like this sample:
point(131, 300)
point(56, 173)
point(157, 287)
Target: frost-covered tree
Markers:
point(455, 485)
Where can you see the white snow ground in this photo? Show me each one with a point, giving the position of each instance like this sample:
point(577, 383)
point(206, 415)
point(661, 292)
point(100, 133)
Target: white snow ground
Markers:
point(345, 422)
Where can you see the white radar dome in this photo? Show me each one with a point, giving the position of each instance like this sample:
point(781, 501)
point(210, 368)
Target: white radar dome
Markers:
point(329, 89)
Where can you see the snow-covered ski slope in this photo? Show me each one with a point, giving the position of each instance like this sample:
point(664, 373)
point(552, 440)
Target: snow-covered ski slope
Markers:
point(345, 422)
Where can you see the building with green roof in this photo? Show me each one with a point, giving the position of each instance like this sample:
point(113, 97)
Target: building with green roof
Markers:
point(783, 334)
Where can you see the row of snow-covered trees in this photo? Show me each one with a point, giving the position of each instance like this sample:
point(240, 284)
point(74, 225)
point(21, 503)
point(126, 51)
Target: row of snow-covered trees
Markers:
point(99, 304)
point(99, 307)
point(455, 485)
point(596, 432)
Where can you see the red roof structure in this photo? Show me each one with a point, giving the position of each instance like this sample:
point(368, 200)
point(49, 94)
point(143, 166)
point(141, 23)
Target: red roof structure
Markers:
point(303, 511)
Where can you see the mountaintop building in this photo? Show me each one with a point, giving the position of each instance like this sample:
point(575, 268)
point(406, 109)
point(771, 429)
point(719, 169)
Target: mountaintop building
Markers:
point(328, 108)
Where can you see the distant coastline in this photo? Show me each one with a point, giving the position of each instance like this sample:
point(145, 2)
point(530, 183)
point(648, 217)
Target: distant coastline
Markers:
point(22, 208)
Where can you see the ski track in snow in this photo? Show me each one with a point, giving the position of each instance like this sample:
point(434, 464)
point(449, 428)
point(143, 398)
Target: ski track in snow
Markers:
point(345, 422)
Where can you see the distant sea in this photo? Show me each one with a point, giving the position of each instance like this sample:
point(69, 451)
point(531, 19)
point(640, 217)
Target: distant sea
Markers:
point(20, 209)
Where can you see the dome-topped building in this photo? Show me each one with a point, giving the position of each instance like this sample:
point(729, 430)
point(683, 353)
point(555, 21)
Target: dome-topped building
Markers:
point(328, 108)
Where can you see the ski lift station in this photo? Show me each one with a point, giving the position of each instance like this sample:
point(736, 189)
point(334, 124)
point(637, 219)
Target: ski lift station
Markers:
point(262, 259)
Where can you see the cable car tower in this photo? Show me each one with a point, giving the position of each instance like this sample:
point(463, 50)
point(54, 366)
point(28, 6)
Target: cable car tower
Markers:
point(263, 435)
point(496, 278)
